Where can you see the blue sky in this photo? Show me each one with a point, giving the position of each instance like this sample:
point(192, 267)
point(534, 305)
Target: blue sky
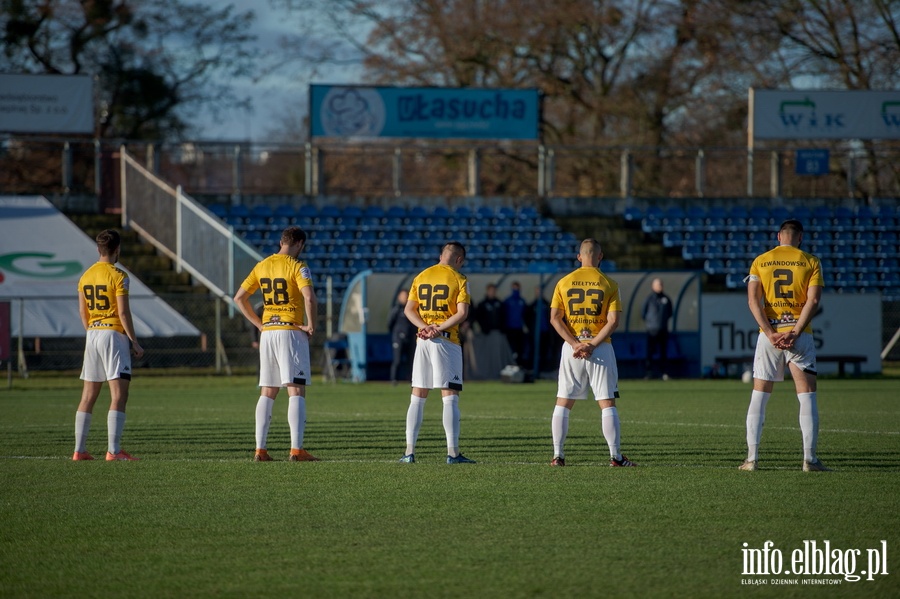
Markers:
point(276, 95)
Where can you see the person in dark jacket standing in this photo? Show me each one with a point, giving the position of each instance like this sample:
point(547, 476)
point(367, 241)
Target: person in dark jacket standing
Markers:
point(403, 335)
point(656, 314)
point(514, 322)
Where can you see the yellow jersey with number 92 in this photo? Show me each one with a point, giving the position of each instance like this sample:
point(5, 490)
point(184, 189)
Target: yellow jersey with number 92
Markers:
point(586, 295)
point(280, 278)
point(100, 285)
point(438, 289)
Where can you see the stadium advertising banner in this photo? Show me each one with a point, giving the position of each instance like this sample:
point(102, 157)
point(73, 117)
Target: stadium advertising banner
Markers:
point(423, 112)
point(783, 114)
point(46, 104)
point(846, 324)
point(42, 257)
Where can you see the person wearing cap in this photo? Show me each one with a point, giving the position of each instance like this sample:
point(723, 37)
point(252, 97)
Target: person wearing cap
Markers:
point(783, 290)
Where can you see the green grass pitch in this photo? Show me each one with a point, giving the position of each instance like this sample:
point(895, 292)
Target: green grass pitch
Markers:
point(197, 518)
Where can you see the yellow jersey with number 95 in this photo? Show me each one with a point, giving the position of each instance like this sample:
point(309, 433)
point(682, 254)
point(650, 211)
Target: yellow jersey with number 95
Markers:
point(586, 295)
point(99, 286)
point(785, 273)
point(438, 289)
point(280, 278)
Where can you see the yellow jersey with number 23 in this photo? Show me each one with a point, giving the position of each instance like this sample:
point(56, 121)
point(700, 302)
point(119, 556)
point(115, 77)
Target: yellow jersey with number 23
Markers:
point(586, 295)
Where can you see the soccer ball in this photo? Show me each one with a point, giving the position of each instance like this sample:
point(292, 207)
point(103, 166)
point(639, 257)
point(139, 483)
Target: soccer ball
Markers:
point(747, 377)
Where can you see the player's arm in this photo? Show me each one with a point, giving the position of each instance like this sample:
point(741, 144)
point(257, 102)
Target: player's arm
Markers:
point(612, 323)
point(83, 309)
point(813, 295)
point(558, 320)
point(462, 312)
point(755, 302)
point(312, 309)
point(242, 301)
point(123, 304)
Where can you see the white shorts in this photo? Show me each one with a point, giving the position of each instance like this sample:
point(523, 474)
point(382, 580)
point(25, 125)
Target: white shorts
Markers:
point(107, 356)
point(769, 361)
point(438, 364)
point(599, 372)
point(284, 358)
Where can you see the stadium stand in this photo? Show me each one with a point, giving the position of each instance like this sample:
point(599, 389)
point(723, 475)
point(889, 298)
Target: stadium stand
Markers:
point(346, 241)
point(858, 247)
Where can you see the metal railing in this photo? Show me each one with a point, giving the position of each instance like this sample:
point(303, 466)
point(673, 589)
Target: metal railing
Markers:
point(59, 166)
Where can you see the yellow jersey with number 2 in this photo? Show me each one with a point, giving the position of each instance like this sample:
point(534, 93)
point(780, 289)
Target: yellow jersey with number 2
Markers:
point(438, 289)
point(785, 273)
point(280, 278)
point(100, 285)
point(586, 295)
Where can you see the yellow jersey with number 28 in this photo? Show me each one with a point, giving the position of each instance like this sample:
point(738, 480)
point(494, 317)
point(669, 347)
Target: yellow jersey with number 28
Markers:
point(280, 278)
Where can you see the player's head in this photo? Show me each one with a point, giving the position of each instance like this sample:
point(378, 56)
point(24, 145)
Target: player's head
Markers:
point(293, 237)
point(589, 252)
point(108, 242)
point(453, 253)
point(790, 232)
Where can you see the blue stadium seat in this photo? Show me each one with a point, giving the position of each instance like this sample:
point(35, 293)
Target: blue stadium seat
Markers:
point(396, 212)
point(240, 210)
point(219, 209)
point(779, 214)
point(331, 211)
point(374, 211)
point(307, 211)
point(801, 213)
point(261, 211)
point(354, 211)
point(632, 214)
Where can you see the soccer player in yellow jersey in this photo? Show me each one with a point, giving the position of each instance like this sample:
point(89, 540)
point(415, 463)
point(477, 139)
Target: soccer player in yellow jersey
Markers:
point(106, 315)
point(438, 303)
point(287, 322)
point(585, 312)
point(783, 291)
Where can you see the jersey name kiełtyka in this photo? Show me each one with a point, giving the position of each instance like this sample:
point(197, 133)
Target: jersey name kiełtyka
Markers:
point(586, 296)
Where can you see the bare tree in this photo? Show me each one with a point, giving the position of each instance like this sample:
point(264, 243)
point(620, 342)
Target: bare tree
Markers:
point(156, 62)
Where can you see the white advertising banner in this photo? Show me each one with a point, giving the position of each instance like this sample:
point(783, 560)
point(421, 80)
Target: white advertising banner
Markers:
point(847, 324)
point(46, 104)
point(43, 255)
point(799, 114)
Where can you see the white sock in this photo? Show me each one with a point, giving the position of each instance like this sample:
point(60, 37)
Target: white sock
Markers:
point(809, 424)
point(451, 423)
point(414, 421)
point(263, 418)
point(559, 426)
point(610, 422)
point(115, 424)
point(756, 417)
point(297, 420)
point(82, 428)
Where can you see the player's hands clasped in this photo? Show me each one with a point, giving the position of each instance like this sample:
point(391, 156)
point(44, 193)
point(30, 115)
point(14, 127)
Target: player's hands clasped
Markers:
point(582, 350)
point(429, 332)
